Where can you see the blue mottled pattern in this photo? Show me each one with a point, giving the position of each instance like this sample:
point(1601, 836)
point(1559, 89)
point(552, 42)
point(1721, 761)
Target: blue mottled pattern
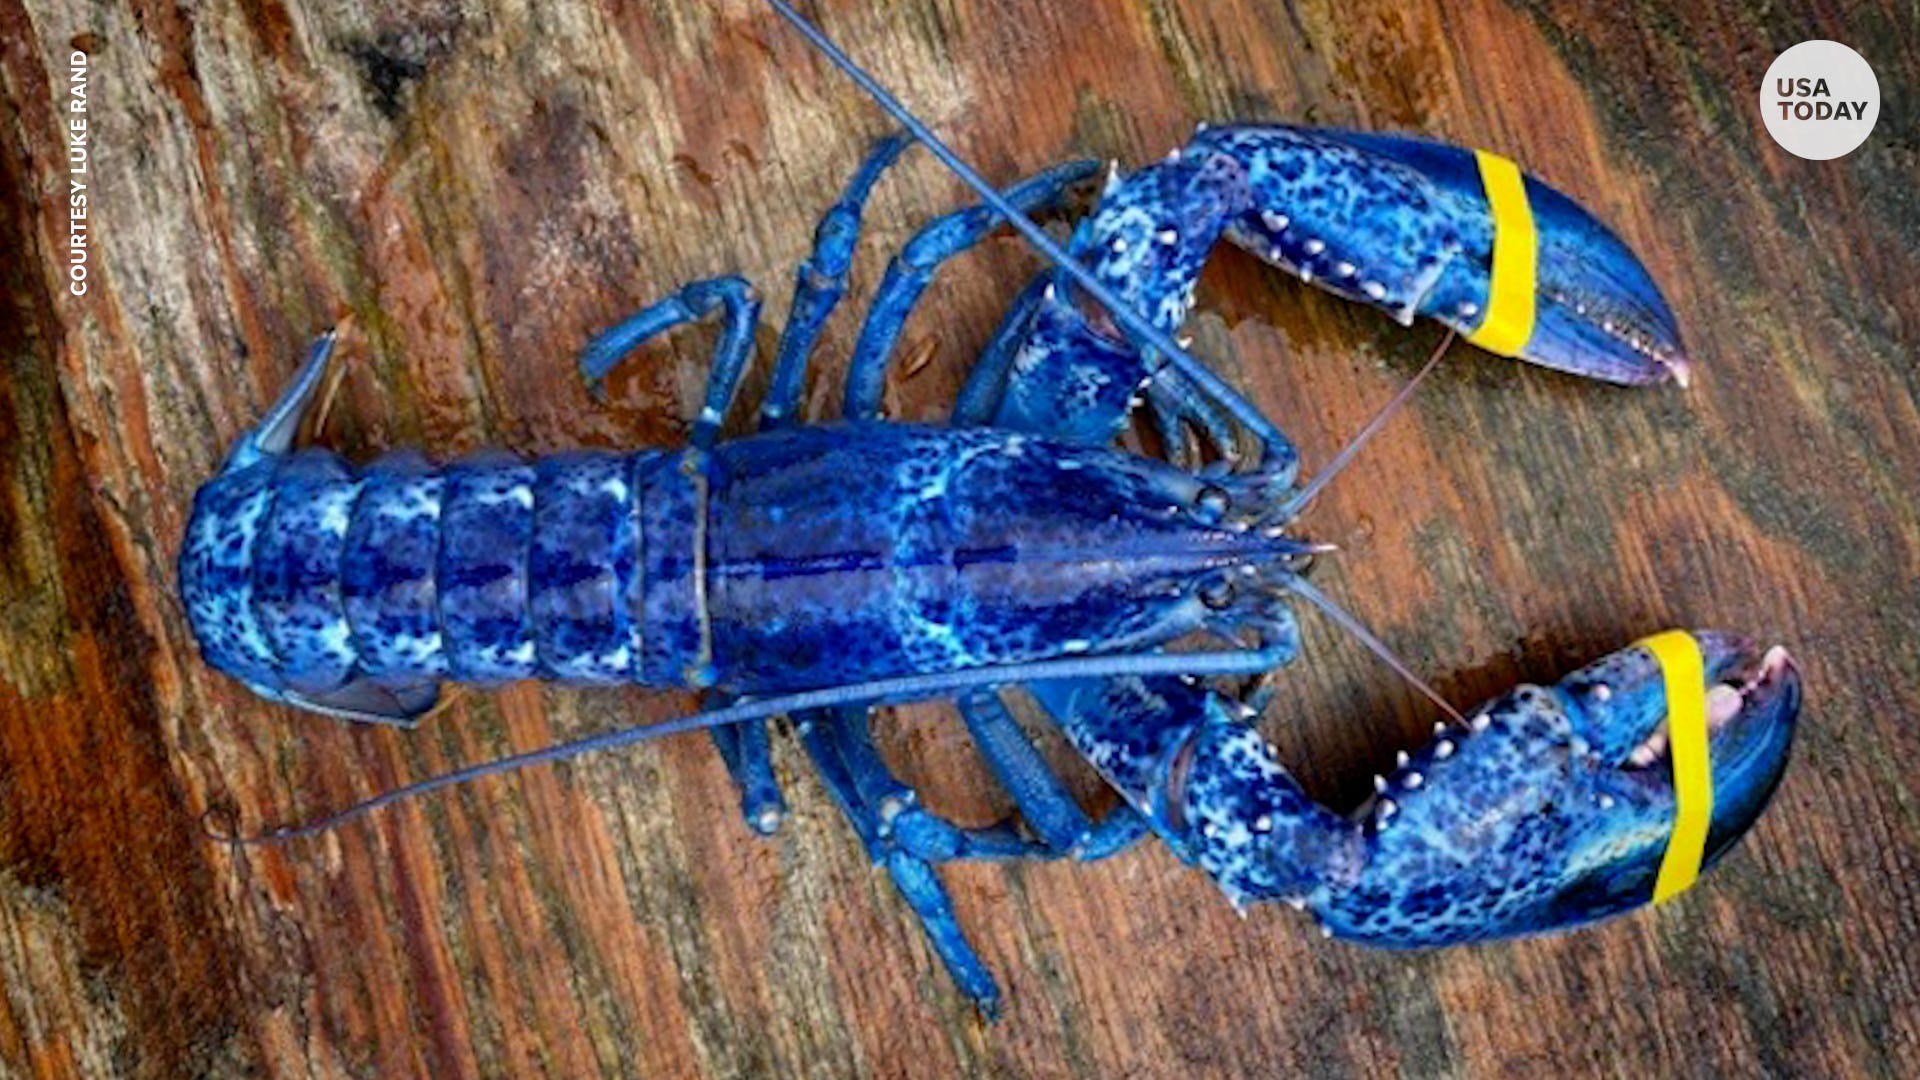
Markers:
point(675, 644)
point(388, 571)
point(1550, 808)
point(216, 573)
point(841, 554)
point(486, 539)
point(1598, 311)
point(296, 571)
point(1073, 379)
point(584, 561)
point(301, 573)
point(1399, 224)
point(1354, 223)
point(799, 558)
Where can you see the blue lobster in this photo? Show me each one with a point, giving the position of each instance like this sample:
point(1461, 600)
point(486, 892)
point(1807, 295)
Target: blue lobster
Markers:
point(817, 570)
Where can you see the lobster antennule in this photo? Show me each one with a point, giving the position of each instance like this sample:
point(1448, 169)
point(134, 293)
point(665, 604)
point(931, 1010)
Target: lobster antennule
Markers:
point(1305, 496)
point(1346, 621)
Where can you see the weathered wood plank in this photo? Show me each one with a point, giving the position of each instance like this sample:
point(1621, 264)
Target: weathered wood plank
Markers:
point(482, 189)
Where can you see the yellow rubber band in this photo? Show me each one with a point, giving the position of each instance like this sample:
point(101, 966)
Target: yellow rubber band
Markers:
point(1684, 671)
point(1510, 296)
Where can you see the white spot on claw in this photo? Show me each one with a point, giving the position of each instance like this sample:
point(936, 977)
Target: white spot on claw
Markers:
point(1374, 289)
point(1274, 222)
point(1315, 246)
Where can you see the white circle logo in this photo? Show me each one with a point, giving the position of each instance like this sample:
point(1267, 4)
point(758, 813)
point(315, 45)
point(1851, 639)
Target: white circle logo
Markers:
point(1820, 100)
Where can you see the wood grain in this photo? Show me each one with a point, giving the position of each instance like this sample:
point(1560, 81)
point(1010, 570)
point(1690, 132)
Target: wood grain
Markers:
point(482, 188)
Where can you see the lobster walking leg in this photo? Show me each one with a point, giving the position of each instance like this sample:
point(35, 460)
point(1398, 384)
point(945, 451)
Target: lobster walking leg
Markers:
point(912, 270)
point(821, 732)
point(731, 295)
point(820, 282)
point(980, 394)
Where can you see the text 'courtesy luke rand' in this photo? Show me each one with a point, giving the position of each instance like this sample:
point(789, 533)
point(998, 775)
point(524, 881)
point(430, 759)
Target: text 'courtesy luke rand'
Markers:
point(77, 156)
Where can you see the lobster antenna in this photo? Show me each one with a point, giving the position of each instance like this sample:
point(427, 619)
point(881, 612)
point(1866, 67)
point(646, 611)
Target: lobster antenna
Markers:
point(1298, 585)
point(1242, 409)
point(1292, 507)
point(900, 688)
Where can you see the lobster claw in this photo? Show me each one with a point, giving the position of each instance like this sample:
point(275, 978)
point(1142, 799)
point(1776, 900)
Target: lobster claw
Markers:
point(1409, 226)
point(1557, 805)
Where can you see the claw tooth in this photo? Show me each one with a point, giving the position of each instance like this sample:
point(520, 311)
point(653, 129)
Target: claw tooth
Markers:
point(1440, 727)
point(1184, 341)
point(1443, 750)
point(1297, 903)
point(1345, 269)
point(1414, 780)
point(1315, 246)
point(1374, 289)
point(1274, 222)
point(1167, 236)
point(1482, 722)
point(1387, 809)
point(1306, 274)
point(1048, 295)
point(1380, 784)
point(1400, 758)
point(1173, 154)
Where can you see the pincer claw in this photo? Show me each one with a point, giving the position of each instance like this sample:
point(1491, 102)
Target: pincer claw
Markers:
point(1414, 227)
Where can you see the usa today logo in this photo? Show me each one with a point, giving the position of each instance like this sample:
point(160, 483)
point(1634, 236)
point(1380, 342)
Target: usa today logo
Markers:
point(1820, 99)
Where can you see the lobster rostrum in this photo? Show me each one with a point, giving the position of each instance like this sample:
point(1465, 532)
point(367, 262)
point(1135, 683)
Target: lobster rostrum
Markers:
point(818, 570)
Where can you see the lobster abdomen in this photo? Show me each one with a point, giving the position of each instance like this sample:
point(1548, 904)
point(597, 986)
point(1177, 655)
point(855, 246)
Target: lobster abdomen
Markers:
point(303, 573)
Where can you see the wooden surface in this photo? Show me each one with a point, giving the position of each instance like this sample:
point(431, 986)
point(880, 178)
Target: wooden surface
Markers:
point(482, 190)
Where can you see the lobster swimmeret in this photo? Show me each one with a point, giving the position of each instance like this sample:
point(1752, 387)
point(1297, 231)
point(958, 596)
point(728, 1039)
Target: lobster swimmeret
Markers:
point(820, 569)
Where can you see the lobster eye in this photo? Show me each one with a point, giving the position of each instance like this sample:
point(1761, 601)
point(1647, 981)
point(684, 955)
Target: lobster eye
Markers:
point(1217, 593)
point(1211, 505)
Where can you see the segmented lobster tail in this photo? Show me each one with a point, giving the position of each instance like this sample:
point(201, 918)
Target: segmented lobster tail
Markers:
point(358, 590)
